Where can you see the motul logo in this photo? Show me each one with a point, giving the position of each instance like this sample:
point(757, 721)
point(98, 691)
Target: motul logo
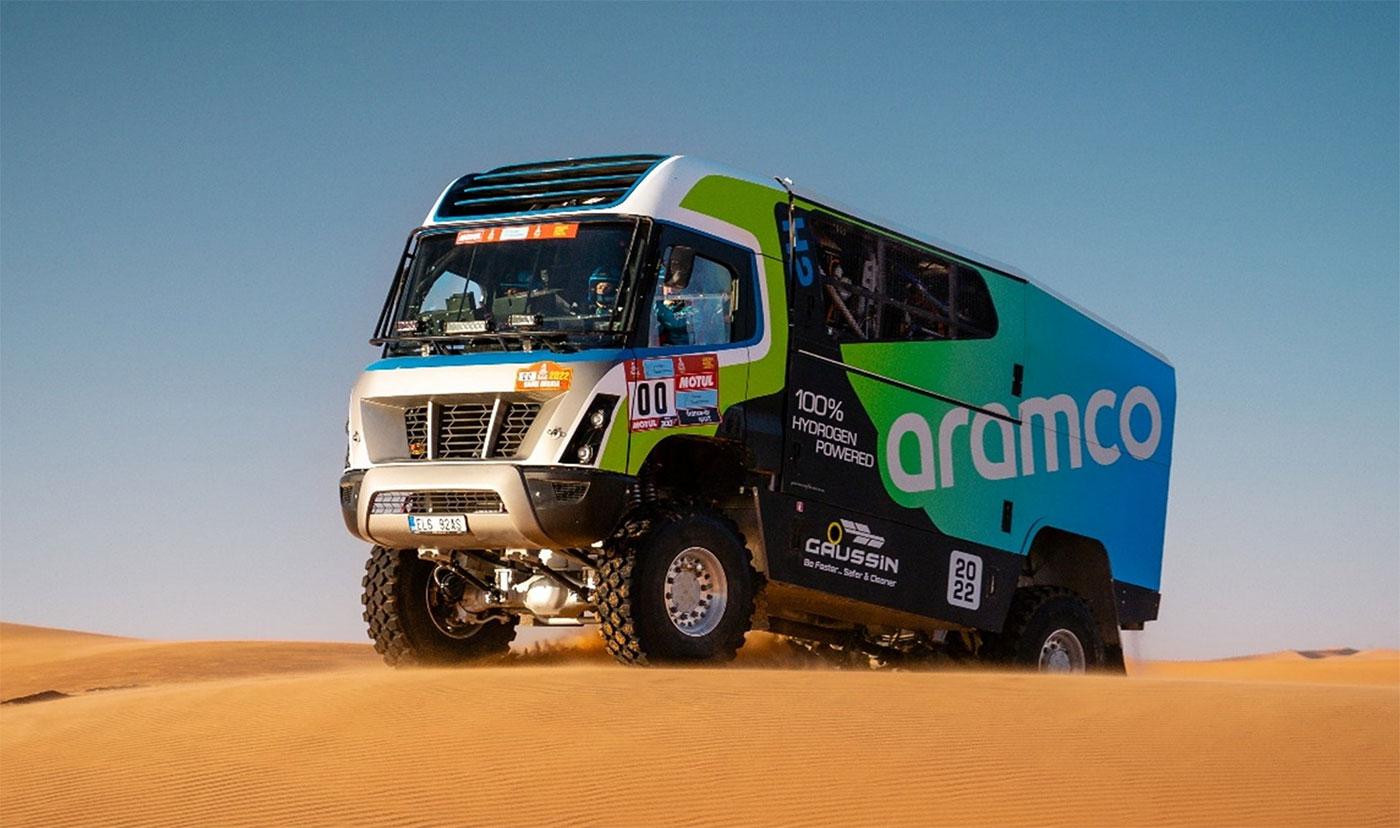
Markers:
point(688, 382)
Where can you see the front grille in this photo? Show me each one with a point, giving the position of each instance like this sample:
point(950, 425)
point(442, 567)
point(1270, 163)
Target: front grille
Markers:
point(347, 495)
point(415, 426)
point(518, 418)
point(569, 491)
point(420, 503)
point(551, 185)
point(461, 431)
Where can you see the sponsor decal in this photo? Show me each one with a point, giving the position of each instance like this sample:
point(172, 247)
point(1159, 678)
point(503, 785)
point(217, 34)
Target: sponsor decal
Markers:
point(666, 392)
point(1060, 414)
point(860, 534)
point(821, 417)
point(850, 550)
point(519, 232)
point(404, 326)
point(544, 376)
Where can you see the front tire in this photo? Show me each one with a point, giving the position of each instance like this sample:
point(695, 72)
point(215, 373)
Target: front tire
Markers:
point(682, 591)
point(411, 623)
point(1049, 630)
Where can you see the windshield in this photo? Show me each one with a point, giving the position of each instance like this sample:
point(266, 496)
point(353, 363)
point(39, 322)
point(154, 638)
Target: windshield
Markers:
point(494, 287)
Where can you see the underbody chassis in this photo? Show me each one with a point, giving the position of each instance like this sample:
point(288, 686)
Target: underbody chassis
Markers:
point(671, 580)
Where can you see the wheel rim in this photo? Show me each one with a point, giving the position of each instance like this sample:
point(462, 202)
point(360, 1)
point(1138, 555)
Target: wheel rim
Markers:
point(696, 591)
point(447, 615)
point(1062, 652)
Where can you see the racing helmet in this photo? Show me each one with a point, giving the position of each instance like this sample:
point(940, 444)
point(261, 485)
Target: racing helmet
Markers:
point(602, 287)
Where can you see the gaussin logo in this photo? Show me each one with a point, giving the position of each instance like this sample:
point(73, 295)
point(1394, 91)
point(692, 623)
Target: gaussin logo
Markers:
point(861, 535)
point(1056, 415)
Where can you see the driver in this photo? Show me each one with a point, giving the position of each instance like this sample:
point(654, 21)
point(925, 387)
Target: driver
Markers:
point(602, 287)
point(671, 314)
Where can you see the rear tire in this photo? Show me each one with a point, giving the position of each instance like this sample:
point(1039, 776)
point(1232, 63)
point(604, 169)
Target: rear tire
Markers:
point(410, 626)
point(1049, 630)
point(682, 591)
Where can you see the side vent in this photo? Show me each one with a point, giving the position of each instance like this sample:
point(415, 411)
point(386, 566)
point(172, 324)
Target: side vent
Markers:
point(550, 185)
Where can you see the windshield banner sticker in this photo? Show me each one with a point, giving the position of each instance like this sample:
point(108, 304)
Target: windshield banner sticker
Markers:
point(673, 391)
point(521, 232)
point(543, 376)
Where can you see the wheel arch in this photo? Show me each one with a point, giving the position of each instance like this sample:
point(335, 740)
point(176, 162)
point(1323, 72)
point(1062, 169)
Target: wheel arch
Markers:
point(695, 465)
point(1079, 563)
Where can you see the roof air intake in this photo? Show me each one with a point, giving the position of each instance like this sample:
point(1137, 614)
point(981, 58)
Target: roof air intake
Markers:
point(549, 185)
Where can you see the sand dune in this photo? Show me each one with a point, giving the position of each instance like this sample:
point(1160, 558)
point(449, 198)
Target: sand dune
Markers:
point(319, 734)
point(34, 659)
point(1364, 667)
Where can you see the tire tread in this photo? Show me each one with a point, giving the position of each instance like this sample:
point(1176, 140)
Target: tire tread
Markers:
point(617, 604)
point(397, 631)
point(1006, 647)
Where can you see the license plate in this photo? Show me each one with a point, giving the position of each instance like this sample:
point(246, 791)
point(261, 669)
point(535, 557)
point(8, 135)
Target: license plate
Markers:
point(438, 524)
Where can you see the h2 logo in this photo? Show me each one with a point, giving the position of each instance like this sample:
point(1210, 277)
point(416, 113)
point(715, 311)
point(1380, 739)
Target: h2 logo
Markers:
point(802, 262)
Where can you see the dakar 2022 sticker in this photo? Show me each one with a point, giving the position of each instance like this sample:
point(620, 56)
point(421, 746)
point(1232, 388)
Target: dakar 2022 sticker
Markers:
point(543, 376)
point(673, 391)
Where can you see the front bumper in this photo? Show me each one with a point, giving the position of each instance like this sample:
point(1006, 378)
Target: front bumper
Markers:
point(540, 507)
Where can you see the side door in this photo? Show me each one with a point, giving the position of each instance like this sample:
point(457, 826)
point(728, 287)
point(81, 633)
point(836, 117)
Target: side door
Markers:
point(693, 339)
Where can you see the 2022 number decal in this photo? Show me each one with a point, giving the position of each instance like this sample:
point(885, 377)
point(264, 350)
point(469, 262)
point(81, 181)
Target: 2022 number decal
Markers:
point(964, 580)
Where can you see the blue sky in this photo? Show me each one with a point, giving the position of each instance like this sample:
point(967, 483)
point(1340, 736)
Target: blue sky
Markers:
point(201, 206)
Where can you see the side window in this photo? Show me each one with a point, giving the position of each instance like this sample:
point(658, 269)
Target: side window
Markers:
point(878, 289)
point(716, 307)
point(849, 262)
point(701, 313)
point(972, 306)
point(931, 298)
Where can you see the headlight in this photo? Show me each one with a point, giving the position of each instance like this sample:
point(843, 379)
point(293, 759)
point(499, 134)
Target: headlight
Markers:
point(587, 441)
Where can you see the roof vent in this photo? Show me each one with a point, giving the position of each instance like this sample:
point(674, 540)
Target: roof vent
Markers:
point(549, 185)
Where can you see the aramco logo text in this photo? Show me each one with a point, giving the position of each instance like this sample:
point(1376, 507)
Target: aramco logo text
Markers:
point(1057, 415)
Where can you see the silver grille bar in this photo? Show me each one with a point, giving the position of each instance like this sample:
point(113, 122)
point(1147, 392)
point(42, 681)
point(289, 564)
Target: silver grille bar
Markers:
point(493, 427)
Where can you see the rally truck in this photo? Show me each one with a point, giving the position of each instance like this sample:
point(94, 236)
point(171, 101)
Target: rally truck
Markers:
point(682, 402)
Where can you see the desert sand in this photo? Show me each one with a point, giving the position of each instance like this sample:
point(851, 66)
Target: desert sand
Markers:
point(305, 734)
